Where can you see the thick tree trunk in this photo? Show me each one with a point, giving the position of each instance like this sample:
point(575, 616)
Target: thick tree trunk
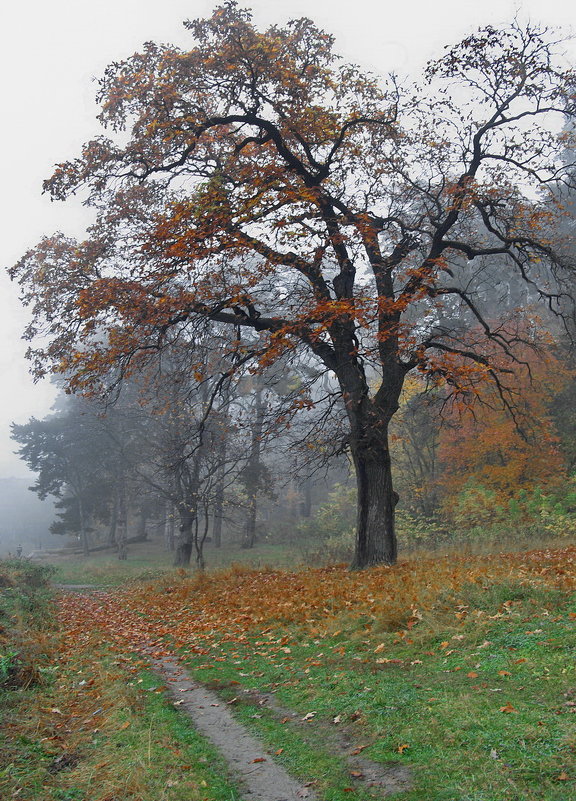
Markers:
point(184, 542)
point(169, 527)
point(250, 532)
point(141, 532)
point(375, 530)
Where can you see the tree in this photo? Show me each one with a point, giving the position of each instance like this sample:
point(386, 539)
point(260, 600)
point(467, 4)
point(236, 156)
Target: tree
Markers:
point(70, 455)
point(492, 456)
point(260, 183)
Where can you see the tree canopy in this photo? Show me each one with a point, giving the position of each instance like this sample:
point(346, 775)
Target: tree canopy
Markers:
point(256, 180)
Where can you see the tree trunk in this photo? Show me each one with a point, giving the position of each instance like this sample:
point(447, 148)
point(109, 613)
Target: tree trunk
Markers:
point(169, 526)
point(253, 472)
point(306, 502)
point(83, 527)
point(250, 532)
point(113, 521)
point(141, 532)
point(122, 523)
point(218, 514)
point(375, 530)
point(185, 541)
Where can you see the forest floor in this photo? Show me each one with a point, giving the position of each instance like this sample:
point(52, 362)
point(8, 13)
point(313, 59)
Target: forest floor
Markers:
point(440, 679)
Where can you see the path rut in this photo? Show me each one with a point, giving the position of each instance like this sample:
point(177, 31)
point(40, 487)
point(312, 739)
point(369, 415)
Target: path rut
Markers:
point(261, 778)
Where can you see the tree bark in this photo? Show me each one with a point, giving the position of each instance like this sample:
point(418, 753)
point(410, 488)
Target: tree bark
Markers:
point(113, 521)
point(83, 527)
point(375, 528)
point(122, 523)
point(369, 420)
point(254, 466)
point(185, 540)
point(218, 515)
point(169, 526)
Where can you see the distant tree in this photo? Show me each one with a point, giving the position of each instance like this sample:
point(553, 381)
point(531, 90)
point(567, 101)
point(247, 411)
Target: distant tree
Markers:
point(501, 455)
point(69, 454)
point(260, 183)
point(414, 436)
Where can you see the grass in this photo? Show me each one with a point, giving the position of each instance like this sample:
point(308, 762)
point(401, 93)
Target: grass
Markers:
point(89, 725)
point(148, 561)
point(459, 669)
point(101, 733)
point(480, 708)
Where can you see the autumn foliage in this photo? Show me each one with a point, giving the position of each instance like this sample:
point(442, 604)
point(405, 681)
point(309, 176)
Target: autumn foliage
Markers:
point(260, 183)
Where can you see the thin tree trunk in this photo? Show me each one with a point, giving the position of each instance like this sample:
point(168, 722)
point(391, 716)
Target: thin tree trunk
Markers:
point(83, 527)
point(254, 467)
point(169, 526)
point(306, 503)
point(122, 525)
point(113, 521)
point(218, 516)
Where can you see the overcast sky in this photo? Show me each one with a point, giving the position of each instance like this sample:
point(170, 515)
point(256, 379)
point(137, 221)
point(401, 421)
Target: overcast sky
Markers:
point(50, 54)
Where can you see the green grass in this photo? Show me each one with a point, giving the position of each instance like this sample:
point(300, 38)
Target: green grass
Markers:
point(134, 745)
point(88, 727)
point(150, 561)
point(485, 707)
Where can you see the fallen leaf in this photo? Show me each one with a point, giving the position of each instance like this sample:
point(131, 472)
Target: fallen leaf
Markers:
point(259, 759)
point(508, 709)
point(472, 675)
point(504, 673)
point(309, 716)
point(402, 748)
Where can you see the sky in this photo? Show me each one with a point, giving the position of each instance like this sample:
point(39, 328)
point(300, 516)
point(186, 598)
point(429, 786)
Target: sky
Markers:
point(52, 52)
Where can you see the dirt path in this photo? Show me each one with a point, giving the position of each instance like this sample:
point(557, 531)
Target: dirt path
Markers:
point(260, 777)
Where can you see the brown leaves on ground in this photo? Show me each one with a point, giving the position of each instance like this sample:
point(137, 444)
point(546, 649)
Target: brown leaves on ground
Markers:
point(191, 612)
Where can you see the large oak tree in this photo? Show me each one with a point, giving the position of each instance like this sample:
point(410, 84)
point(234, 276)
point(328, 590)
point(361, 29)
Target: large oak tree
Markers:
point(258, 181)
